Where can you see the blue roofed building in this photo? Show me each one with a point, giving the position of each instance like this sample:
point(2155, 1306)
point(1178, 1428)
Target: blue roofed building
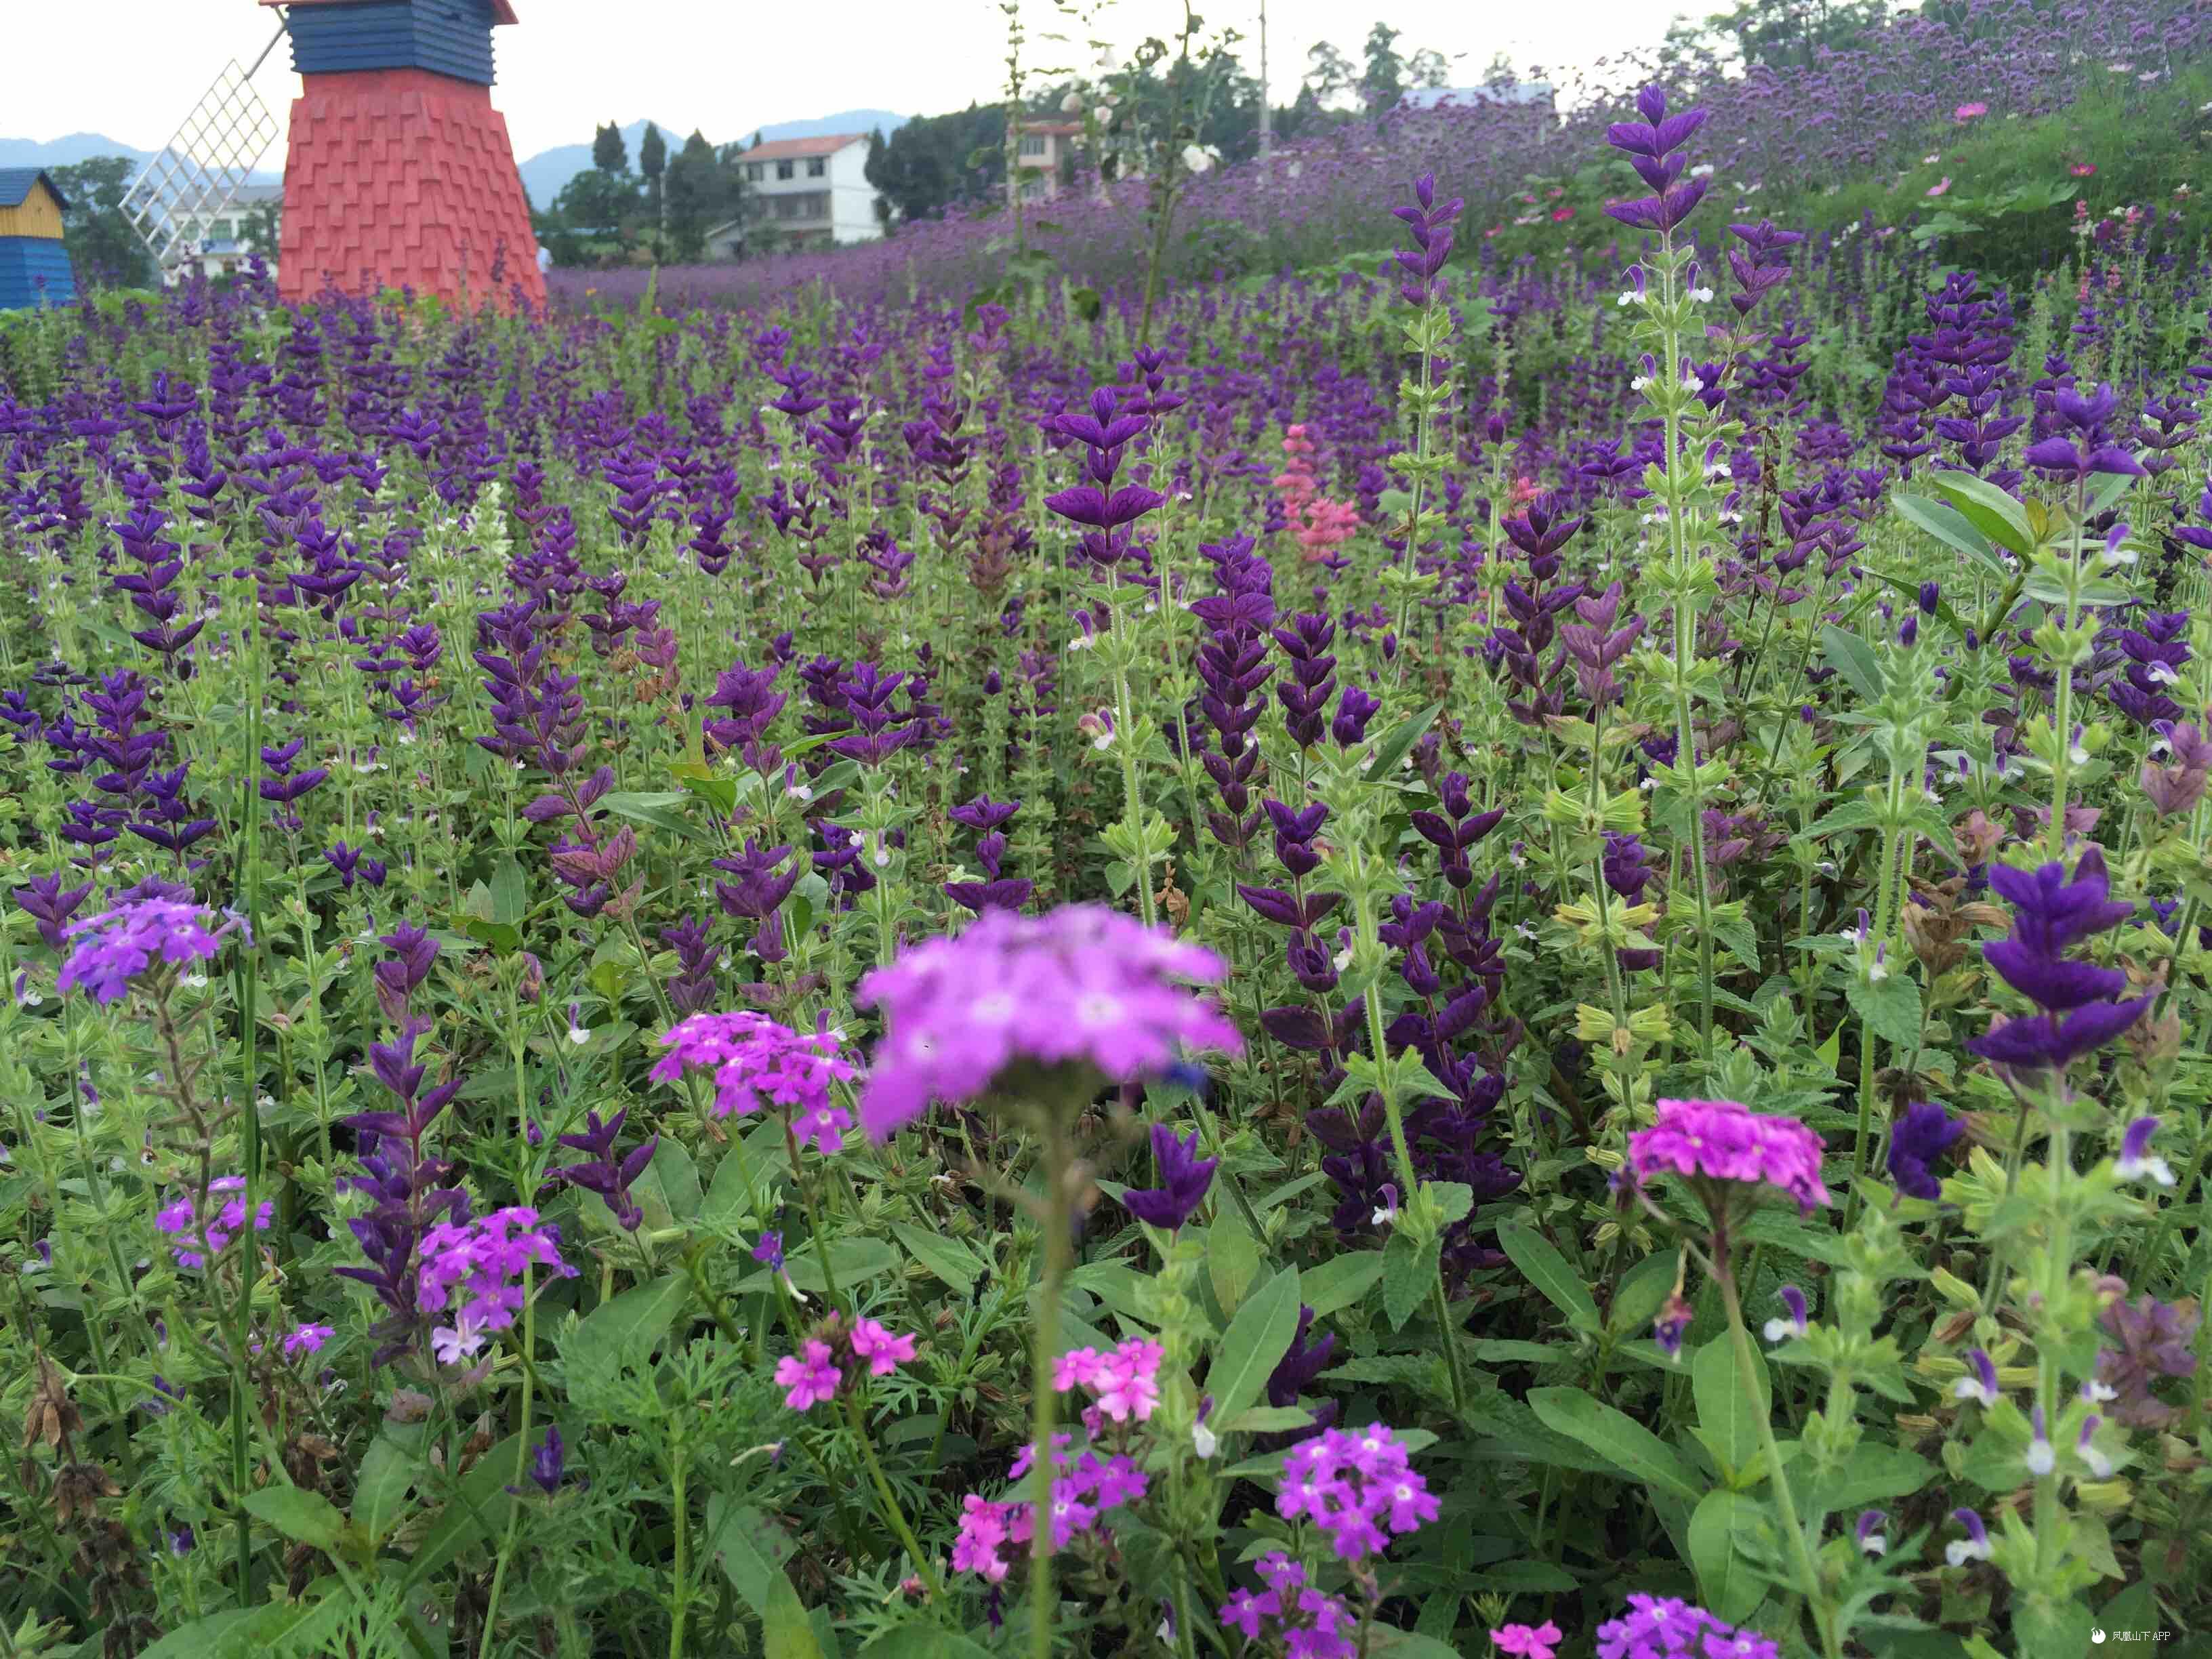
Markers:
point(35, 265)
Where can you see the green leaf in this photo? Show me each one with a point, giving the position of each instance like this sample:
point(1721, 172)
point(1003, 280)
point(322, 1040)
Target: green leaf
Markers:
point(1543, 1264)
point(854, 1260)
point(510, 892)
point(660, 809)
point(1232, 1258)
point(626, 1328)
point(1987, 509)
point(388, 1468)
point(948, 1258)
point(1890, 1008)
point(1408, 1271)
point(748, 1547)
point(1729, 1584)
point(1398, 741)
point(1872, 1472)
point(303, 1516)
point(1642, 1292)
point(1341, 1280)
point(921, 1641)
point(1617, 1438)
point(1388, 1643)
point(667, 1188)
point(1854, 658)
point(1254, 1345)
point(1950, 527)
point(730, 1195)
point(481, 1502)
point(233, 1633)
point(1729, 1413)
point(1523, 1578)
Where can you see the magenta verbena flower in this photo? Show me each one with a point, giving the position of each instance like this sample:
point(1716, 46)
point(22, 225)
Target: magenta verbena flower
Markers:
point(808, 1376)
point(1125, 1381)
point(1667, 1627)
point(1084, 1488)
point(756, 1064)
point(1291, 1614)
point(1081, 985)
point(1725, 1140)
point(1527, 1641)
point(475, 1271)
point(117, 945)
point(1357, 1485)
point(308, 1339)
point(193, 1243)
point(885, 1351)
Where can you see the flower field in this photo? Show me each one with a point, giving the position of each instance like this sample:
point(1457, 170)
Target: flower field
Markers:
point(1508, 956)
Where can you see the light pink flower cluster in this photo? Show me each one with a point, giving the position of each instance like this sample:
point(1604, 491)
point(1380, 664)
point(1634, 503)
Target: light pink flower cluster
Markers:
point(1125, 1381)
point(1724, 1140)
point(1357, 1485)
point(191, 1248)
point(476, 1269)
point(814, 1373)
point(1318, 523)
point(756, 1063)
point(1085, 1487)
point(1291, 1615)
point(1082, 984)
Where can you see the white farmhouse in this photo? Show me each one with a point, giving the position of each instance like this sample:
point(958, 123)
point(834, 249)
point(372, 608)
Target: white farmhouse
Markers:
point(805, 192)
point(218, 242)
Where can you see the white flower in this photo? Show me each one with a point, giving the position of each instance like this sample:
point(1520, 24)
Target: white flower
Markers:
point(1197, 158)
point(1875, 1544)
point(1703, 297)
point(1960, 1550)
point(1703, 170)
point(1072, 105)
point(883, 857)
point(1640, 383)
point(1386, 1215)
point(1203, 1440)
point(2041, 1458)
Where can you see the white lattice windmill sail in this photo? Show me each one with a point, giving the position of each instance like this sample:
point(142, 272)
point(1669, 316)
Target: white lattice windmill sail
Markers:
point(194, 176)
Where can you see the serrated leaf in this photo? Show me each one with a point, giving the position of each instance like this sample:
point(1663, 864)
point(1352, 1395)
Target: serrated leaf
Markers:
point(303, 1516)
point(626, 1328)
point(1617, 1437)
point(1890, 1007)
point(1408, 1271)
point(1543, 1264)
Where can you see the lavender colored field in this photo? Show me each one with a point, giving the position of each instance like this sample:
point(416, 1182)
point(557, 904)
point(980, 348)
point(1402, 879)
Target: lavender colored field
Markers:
point(1502, 957)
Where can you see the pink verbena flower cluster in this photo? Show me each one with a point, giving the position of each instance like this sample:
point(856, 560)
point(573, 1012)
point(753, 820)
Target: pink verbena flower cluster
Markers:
point(757, 1063)
point(1290, 1613)
point(1085, 1487)
point(117, 945)
point(1125, 1381)
point(191, 1246)
point(474, 1268)
point(1082, 984)
point(1666, 1627)
point(1724, 1140)
point(1357, 1485)
point(817, 1372)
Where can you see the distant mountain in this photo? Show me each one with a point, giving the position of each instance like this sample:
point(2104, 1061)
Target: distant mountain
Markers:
point(544, 173)
point(74, 147)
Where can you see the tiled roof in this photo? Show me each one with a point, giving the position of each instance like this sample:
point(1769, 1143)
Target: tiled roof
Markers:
point(16, 185)
point(501, 11)
point(403, 178)
point(791, 149)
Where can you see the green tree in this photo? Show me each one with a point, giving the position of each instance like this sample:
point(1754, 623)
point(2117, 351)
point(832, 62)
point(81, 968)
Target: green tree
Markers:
point(931, 162)
point(103, 248)
point(1428, 67)
point(1382, 82)
point(1329, 74)
point(260, 229)
point(1795, 32)
point(609, 153)
point(653, 163)
point(698, 192)
point(595, 216)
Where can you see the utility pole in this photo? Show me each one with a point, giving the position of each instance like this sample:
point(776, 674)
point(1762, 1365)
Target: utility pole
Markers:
point(1267, 99)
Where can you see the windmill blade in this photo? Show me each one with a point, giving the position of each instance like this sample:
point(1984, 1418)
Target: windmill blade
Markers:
point(196, 175)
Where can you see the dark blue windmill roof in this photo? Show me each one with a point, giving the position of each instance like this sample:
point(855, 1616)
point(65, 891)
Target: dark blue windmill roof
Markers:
point(16, 185)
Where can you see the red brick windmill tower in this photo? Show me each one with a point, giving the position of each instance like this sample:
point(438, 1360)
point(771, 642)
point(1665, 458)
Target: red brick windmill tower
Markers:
point(399, 172)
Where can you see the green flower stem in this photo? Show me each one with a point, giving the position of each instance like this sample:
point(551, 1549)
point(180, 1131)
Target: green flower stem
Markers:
point(679, 1467)
point(1785, 1503)
point(248, 988)
point(1044, 1355)
point(892, 1512)
point(1133, 793)
point(2059, 1264)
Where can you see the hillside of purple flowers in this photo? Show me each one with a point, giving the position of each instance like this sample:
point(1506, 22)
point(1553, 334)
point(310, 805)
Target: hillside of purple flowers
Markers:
point(1506, 957)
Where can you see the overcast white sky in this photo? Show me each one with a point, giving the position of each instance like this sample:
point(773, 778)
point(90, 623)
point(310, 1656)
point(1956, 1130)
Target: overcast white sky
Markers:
point(131, 69)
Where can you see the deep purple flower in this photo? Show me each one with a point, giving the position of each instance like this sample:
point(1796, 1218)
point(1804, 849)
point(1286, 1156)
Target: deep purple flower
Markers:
point(1917, 1139)
point(1184, 1178)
